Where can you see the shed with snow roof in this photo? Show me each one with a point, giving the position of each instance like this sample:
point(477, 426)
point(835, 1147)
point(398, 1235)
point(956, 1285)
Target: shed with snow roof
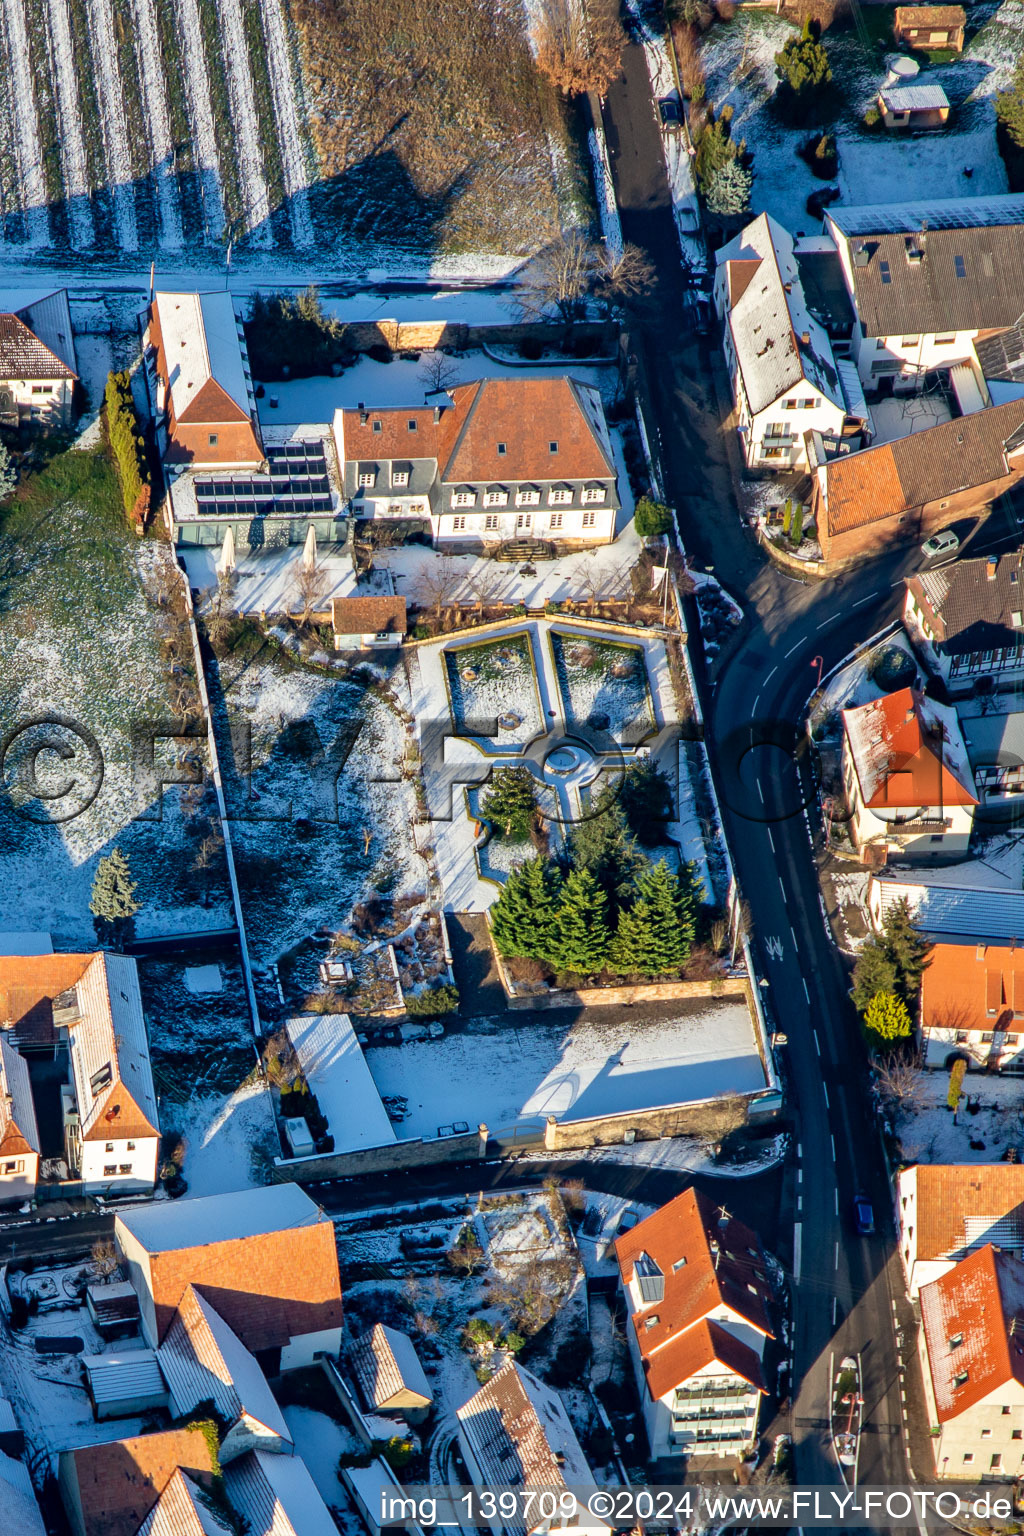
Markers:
point(390, 1375)
point(125, 1384)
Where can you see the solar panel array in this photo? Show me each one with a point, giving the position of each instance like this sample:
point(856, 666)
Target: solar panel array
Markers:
point(953, 213)
point(297, 482)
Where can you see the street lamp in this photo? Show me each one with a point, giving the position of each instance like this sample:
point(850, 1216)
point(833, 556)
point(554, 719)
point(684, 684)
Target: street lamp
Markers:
point(819, 662)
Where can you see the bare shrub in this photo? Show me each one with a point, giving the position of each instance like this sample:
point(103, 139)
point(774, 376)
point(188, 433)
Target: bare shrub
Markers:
point(691, 66)
point(104, 1257)
point(310, 588)
point(579, 44)
point(898, 1082)
point(437, 583)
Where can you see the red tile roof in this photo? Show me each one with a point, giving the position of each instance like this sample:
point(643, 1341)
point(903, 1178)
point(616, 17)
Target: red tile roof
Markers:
point(967, 1316)
point(24, 356)
point(705, 1344)
point(973, 987)
point(908, 752)
point(212, 405)
point(707, 1261)
point(953, 1198)
point(120, 1482)
point(368, 615)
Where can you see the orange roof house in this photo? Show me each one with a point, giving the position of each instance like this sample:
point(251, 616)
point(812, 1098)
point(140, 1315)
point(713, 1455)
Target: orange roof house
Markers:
point(109, 1490)
point(972, 1003)
point(908, 751)
point(696, 1282)
point(948, 1210)
point(972, 1322)
point(204, 391)
point(265, 1259)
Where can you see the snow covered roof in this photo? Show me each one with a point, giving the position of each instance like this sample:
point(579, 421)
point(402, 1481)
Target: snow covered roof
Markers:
point(109, 1052)
point(207, 1219)
point(973, 1320)
point(19, 1132)
point(335, 1068)
point(853, 391)
point(913, 98)
point(204, 343)
point(777, 340)
point(386, 1364)
point(19, 1511)
point(277, 1496)
point(123, 1377)
point(25, 942)
point(202, 1358)
point(908, 751)
point(965, 902)
point(24, 356)
point(185, 1509)
point(519, 1432)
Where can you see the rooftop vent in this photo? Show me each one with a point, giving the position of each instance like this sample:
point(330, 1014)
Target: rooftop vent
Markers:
point(861, 256)
point(914, 249)
point(805, 338)
point(992, 567)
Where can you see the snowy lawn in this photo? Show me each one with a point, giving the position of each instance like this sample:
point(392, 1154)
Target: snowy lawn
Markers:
point(739, 59)
point(527, 1070)
point(603, 684)
point(494, 681)
point(84, 664)
point(926, 1128)
point(329, 817)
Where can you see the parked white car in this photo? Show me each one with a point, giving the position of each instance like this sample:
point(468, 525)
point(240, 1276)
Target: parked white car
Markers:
point(943, 543)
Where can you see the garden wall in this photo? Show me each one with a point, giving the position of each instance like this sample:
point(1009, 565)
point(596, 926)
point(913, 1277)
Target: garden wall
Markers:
point(639, 992)
point(711, 1119)
point(601, 337)
point(395, 1156)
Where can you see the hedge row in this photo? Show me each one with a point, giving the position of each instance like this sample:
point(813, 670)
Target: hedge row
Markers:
point(128, 449)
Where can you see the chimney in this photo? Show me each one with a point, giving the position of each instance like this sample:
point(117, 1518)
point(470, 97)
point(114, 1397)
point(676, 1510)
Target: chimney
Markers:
point(805, 338)
point(979, 953)
point(363, 414)
point(437, 414)
point(992, 567)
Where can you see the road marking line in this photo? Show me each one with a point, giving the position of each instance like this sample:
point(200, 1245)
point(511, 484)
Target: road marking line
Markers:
point(771, 839)
point(799, 1150)
point(830, 620)
point(817, 1042)
point(835, 1303)
point(836, 1193)
point(824, 1089)
point(872, 597)
point(792, 934)
point(806, 992)
point(756, 702)
point(771, 674)
point(799, 1202)
point(837, 1254)
point(798, 1239)
point(832, 1139)
point(799, 1175)
point(785, 903)
point(794, 648)
point(760, 791)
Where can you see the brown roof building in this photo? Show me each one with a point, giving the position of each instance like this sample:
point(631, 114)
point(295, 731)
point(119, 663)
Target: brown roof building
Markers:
point(907, 489)
point(265, 1259)
point(199, 369)
point(38, 367)
point(359, 621)
point(948, 1211)
point(930, 26)
point(110, 1490)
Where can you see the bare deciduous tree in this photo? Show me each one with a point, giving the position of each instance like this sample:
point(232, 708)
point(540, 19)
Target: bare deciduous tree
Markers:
point(573, 270)
point(485, 584)
point(438, 371)
point(220, 612)
point(898, 1081)
point(436, 583)
point(310, 589)
point(104, 1257)
point(579, 44)
point(625, 278)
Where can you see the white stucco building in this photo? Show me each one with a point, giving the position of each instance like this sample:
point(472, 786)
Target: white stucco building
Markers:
point(949, 1210)
point(38, 368)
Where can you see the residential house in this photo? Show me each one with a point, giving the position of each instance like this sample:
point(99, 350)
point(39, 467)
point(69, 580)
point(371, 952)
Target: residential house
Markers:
point(489, 462)
point(203, 1360)
point(909, 488)
point(201, 382)
point(786, 382)
point(913, 107)
point(368, 623)
point(19, 1133)
point(186, 1508)
point(276, 1496)
point(966, 619)
point(908, 783)
point(696, 1287)
point(87, 1008)
point(967, 902)
point(972, 1005)
point(971, 1345)
point(926, 279)
point(949, 1211)
point(930, 26)
point(38, 367)
point(390, 1375)
point(113, 1488)
point(516, 1430)
point(19, 1511)
point(265, 1259)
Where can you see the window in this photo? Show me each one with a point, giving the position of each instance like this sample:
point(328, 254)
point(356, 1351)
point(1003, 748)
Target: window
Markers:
point(399, 477)
point(109, 1170)
point(883, 272)
point(524, 520)
point(109, 1147)
point(490, 525)
point(44, 389)
point(987, 1038)
point(464, 499)
point(589, 519)
point(593, 493)
point(502, 449)
point(124, 1168)
point(1017, 1434)
point(959, 266)
point(986, 1434)
point(552, 447)
point(652, 1321)
point(495, 498)
point(910, 341)
point(555, 520)
point(131, 1146)
point(367, 477)
point(960, 1379)
point(559, 496)
point(412, 423)
point(10, 1167)
point(968, 1458)
point(377, 426)
point(788, 405)
point(1013, 1039)
point(458, 524)
point(213, 439)
point(1004, 1411)
point(100, 1078)
point(944, 341)
point(679, 1264)
point(996, 1461)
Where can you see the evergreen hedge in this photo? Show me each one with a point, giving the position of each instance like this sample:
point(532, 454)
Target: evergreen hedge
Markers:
point(128, 449)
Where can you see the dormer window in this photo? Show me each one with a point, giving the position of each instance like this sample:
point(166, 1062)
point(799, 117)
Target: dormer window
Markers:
point(552, 447)
point(652, 1321)
point(400, 474)
point(101, 1078)
point(502, 449)
point(679, 1264)
point(367, 477)
point(956, 1340)
point(961, 1378)
point(527, 496)
point(593, 493)
point(464, 499)
point(496, 496)
point(559, 495)
point(378, 426)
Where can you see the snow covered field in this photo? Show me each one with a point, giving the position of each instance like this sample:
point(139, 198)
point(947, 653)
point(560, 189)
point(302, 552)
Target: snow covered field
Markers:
point(523, 1073)
point(926, 1128)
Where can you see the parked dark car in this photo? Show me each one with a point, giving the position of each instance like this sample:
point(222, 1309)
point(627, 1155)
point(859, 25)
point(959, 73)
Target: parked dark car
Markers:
point(863, 1215)
point(671, 113)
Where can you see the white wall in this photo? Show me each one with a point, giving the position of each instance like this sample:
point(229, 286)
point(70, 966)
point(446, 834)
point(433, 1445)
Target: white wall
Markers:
point(136, 1261)
point(824, 417)
point(982, 1433)
point(141, 1157)
point(247, 1434)
point(914, 354)
point(20, 1184)
point(300, 1350)
point(492, 525)
point(942, 1042)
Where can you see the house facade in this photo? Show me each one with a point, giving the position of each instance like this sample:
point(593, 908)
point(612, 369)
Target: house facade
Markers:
point(926, 279)
point(786, 382)
point(930, 27)
point(972, 1364)
point(487, 463)
point(199, 376)
point(966, 620)
point(265, 1259)
point(947, 1211)
point(908, 783)
point(972, 1005)
point(38, 368)
point(19, 1133)
point(695, 1284)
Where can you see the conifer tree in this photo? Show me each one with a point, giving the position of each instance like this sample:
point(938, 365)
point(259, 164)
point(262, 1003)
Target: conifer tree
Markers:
point(887, 1019)
point(634, 950)
point(8, 474)
point(113, 904)
point(604, 846)
point(524, 917)
point(907, 948)
point(690, 897)
point(874, 972)
point(583, 937)
point(512, 801)
point(669, 917)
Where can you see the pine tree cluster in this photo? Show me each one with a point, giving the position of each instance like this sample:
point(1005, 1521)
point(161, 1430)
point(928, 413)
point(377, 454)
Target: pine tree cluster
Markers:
point(128, 448)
